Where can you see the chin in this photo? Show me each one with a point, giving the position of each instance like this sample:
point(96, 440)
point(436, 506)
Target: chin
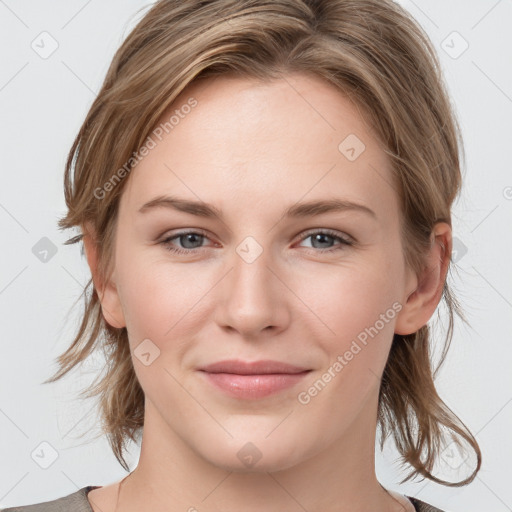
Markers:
point(258, 456)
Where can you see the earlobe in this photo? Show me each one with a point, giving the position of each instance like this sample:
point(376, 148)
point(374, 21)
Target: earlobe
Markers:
point(420, 304)
point(107, 292)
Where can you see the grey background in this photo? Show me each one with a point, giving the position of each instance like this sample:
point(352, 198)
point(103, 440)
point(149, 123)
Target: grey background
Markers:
point(43, 102)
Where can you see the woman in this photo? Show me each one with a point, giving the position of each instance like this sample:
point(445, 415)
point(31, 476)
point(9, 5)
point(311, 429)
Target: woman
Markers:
point(264, 191)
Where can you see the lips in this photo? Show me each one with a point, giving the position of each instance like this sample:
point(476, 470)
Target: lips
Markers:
point(238, 367)
point(252, 380)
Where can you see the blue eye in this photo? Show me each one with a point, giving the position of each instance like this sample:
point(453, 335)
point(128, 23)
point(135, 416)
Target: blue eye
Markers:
point(321, 236)
point(188, 236)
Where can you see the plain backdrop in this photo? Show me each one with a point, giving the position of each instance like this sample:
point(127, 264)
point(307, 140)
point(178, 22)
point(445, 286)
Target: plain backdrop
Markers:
point(47, 448)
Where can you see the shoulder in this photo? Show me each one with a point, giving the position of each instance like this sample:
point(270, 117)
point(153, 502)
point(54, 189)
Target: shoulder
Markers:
point(421, 506)
point(74, 502)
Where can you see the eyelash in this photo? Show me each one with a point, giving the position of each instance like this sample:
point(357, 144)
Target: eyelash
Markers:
point(344, 241)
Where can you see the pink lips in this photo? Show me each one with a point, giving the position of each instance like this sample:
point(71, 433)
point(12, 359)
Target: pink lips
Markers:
point(253, 380)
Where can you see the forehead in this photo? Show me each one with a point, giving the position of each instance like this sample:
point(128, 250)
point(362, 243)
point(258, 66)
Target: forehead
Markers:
point(288, 137)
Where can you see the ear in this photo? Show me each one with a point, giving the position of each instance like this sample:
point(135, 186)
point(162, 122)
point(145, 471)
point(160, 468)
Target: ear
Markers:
point(424, 292)
point(107, 292)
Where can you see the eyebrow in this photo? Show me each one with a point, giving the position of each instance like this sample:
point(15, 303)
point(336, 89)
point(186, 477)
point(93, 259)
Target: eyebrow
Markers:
point(299, 210)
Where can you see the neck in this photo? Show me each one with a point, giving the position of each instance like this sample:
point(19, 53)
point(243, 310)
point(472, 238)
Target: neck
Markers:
point(172, 476)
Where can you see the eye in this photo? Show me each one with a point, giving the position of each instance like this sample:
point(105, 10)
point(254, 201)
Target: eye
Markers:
point(323, 236)
point(192, 241)
point(186, 237)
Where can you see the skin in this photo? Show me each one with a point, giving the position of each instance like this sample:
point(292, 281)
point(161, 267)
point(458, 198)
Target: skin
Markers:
point(253, 150)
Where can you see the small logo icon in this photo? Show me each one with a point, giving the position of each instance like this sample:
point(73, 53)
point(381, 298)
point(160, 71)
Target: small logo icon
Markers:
point(44, 45)
point(44, 455)
point(44, 250)
point(454, 45)
point(146, 352)
point(453, 457)
point(249, 250)
point(351, 147)
point(249, 454)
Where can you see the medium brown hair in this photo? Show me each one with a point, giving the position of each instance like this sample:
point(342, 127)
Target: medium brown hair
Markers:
point(374, 52)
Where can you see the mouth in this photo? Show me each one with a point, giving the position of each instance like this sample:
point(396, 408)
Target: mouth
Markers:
point(252, 380)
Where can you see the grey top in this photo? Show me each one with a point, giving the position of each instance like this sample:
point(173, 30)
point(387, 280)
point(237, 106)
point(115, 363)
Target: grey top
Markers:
point(78, 502)
point(74, 502)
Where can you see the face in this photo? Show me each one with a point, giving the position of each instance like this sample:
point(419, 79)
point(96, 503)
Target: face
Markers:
point(317, 288)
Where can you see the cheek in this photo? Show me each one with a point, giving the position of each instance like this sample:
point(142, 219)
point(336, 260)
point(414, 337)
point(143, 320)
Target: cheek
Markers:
point(349, 298)
point(359, 306)
point(158, 297)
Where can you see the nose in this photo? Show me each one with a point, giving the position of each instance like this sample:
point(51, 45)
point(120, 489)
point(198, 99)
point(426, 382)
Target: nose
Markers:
point(253, 297)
